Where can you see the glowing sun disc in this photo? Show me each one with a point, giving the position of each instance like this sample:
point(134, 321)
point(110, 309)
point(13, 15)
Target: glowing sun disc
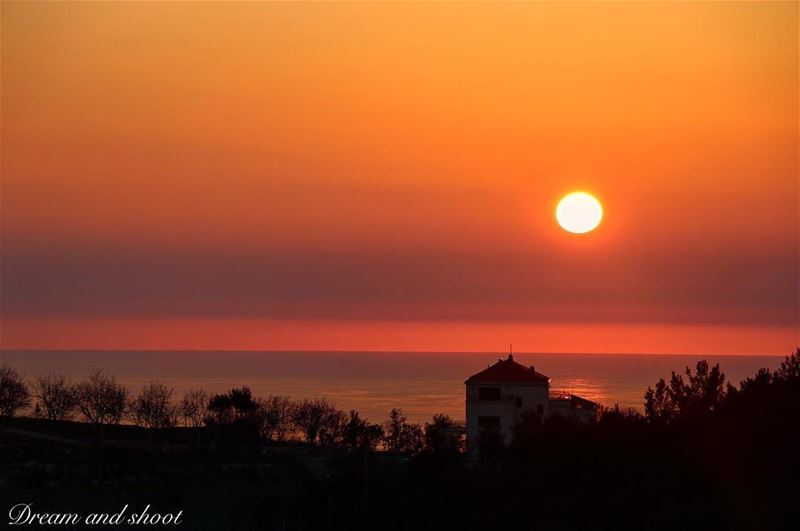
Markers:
point(579, 213)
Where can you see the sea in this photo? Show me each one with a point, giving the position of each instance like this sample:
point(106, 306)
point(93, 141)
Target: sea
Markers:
point(420, 383)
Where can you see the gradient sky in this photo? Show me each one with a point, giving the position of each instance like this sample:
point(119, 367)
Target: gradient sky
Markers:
point(384, 176)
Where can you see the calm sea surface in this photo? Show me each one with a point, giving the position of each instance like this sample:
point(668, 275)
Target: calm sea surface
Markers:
point(421, 383)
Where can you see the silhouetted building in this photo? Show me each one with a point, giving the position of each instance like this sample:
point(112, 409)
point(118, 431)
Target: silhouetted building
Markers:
point(569, 405)
point(498, 395)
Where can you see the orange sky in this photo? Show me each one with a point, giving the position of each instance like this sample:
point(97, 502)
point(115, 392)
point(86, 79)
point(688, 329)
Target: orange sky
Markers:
point(383, 176)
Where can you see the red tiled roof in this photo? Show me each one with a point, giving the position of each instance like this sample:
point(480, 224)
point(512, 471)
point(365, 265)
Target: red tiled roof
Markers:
point(508, 370)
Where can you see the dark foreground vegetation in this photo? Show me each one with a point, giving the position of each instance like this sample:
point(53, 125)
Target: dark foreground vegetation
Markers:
point(705, 454)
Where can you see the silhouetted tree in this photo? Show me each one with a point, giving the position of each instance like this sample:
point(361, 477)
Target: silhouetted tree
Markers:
point(658, 406)
point(242, 401)
point(314, 416)
point(393, 430)
point(768, 396)
point(101, 400)
point(789, 371)
point(359, 433)
point(332, 428)
point(702, 393)
point(236, 404)
point(441, 437)
point(55, 396)
point(704, 390)
point(153, 407)
point(235, 417)
point(402, 436)
point(412, 441)
point(14, 392)
point(276, 414)
point(194, 407)
point(763, 379)
point(617, 415)
point(220, 410)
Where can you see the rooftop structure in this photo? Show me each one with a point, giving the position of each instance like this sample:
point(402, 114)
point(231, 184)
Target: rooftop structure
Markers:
point(497, 396)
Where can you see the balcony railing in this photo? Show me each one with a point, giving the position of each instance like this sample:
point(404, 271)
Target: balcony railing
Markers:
point(559, 394)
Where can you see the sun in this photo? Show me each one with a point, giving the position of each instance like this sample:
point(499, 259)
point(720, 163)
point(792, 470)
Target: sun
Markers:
point(579, 212)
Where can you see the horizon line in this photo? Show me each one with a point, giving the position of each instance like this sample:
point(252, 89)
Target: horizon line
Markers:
point(370, 351)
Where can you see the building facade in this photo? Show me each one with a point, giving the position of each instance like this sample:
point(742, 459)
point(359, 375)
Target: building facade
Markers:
point(497, 397)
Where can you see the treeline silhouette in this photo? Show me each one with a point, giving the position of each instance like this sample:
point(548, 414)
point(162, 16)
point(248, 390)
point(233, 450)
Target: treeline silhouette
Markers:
point(236, 416)
point(703, 453)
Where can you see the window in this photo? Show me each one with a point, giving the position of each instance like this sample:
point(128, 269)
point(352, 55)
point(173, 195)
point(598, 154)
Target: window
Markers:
point(489, 393)
point(519, 401)
point(488, 422)
point(540, 410)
